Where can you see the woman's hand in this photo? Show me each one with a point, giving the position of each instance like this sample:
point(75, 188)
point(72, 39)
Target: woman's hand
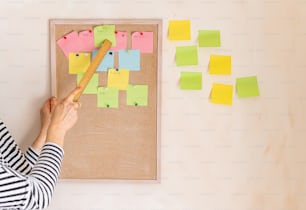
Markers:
point(45, 114)
point(45, 119)
point(64, 117)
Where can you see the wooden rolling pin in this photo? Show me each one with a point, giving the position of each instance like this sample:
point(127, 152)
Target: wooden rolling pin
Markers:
point(106, 45)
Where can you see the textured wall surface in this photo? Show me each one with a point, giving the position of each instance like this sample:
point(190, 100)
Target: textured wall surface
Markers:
point(248, 156)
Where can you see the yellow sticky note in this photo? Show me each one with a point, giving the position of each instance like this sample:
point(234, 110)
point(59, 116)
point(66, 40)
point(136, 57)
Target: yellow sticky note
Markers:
point(179, 30)
point(221, 94)
point(118, 78)
point(79, 62)
point(220, 64)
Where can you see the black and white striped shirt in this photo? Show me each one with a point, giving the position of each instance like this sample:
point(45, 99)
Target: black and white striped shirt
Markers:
point(27, 181)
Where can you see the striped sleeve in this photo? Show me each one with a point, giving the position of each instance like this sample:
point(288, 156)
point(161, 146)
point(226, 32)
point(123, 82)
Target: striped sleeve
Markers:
point(12, 155)
point(13, 189)
point(44, 175)
point(32, 156)
point(33, 191)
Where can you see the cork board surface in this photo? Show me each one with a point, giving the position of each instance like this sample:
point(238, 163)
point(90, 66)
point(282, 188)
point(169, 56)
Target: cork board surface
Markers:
point(111, 144)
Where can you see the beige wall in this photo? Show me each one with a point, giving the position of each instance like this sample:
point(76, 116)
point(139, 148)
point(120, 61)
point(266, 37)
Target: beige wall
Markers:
point(250, 156)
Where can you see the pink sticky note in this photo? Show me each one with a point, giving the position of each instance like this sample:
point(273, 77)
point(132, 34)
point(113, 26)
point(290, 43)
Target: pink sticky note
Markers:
point(143, 41)
point(74, 42)
point(68, 43)
point(86, 41)
point(121, 41)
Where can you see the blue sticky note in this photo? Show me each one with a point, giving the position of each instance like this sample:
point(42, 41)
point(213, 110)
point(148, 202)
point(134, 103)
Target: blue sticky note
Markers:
point(107, 62)
point(129, 59)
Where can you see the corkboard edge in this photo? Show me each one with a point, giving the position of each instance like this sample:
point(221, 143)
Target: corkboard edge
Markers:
point(52, 42)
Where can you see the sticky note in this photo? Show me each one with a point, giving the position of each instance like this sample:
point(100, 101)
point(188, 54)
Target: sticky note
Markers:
point(108, 97)
point(69, 43)
point(179, 30)
point(143, 41)
point(247, 87)
point(92, 86)
point(137, 95)
point(129, 59)
point(104, 32)
point(221, 94)
point(186, 55)
point(86, 41)
point(121, 41)
point(118, 78)
point(78, 62)
point(107, 62)
point(220, 64)
point(191, 80)
point(77, 42)
point(209, 38)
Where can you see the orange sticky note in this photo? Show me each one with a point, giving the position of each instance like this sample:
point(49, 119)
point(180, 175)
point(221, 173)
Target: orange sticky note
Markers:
point(79, 62)
point(179, 30)
point(221, 94)
point(118, 78)
point(220, 64)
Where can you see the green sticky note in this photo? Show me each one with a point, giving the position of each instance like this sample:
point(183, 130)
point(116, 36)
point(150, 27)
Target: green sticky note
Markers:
point(137, 95)
point(247, 87)
point(104, 32)
point(92, 86)
point(108, 97)
point(191, 80)
point(186, 55)
point(209, 38)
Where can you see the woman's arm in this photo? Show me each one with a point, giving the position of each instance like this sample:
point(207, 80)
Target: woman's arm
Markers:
point(35, 190)
point(12, 155)
point(10, 152)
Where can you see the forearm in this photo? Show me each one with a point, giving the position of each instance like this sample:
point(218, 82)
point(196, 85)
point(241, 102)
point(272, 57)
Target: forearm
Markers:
point(39, 141)
point(44, 176)
point(11, 153)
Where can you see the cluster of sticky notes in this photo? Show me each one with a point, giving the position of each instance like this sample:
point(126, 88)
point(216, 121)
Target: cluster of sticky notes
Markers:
point(120, 62)
point(218, 64)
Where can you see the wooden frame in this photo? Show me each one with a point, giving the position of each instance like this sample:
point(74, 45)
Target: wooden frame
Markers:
point(59, 27)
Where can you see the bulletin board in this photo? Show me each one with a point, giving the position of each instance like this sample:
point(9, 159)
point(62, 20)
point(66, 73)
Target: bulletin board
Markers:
point(111, 144)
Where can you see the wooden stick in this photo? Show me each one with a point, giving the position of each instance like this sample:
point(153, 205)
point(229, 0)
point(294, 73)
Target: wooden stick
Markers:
point(93, 67)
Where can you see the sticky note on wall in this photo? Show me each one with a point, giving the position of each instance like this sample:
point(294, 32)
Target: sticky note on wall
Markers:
point(209, 38)
point(191, 81)
point(118, 78)
point(221, 94)
point(121, 41)
point(186, 55)
point(129, 59)
point(78, 62)
point(137, 95)
point(179, 30)
point(220, 64)
point(104, 32)
point(247, 87)
point(143, 41)
point(92, 86)
point(108, 97)
point(107, 62)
